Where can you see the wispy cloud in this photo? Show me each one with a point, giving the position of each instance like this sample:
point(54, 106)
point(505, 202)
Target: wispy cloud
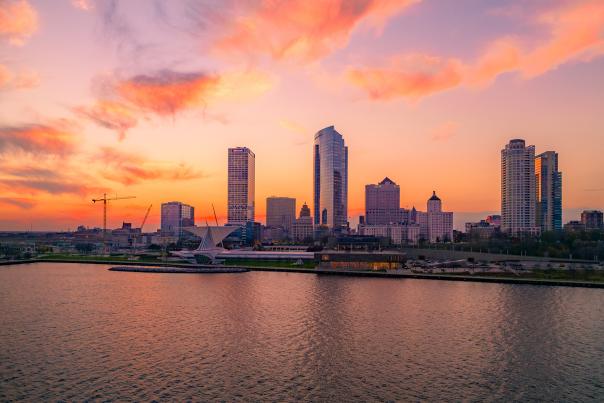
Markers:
point(444, 131)
point(18, 202)
point(298, 29)
point(125, 101)
point(56, 138)
point(167, 92)
point(110, 115)
point(51, 176)
point(18, 21)
point(130, 168)
point(19, 80)
point(413, 76)
point(574, 33)
point(84, 5)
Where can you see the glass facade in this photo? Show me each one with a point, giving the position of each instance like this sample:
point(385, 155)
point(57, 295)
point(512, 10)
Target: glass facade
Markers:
point(175, 216)
point(330, 179)
point(549, 192)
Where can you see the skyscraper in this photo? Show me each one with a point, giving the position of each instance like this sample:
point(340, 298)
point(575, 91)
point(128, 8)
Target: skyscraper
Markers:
point(330, 179)
point(280, 212)
point(518, 205)
point(548, 182)
point(241, 186)
point(382, 203)
point(175, 216)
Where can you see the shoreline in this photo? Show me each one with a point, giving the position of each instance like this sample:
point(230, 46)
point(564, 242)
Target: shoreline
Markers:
point(200, 269)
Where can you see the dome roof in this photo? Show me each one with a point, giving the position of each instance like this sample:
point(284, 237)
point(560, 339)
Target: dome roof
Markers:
point(434, 196)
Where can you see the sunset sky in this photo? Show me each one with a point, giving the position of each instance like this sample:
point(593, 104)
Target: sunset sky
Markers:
point(144, 97)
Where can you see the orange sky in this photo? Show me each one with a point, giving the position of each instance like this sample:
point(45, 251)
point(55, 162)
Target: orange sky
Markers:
point(141, 98)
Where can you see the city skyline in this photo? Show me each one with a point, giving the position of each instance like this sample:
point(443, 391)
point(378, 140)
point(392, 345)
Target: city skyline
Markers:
point(98, 106)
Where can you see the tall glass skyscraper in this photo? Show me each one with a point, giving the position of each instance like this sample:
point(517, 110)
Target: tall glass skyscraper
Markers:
point(241, 186)
point(330, 179)
point(549, 191)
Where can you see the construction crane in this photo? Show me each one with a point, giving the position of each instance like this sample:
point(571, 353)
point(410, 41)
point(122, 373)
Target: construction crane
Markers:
point(145, 219)
point(104, 199)
point(135, 244)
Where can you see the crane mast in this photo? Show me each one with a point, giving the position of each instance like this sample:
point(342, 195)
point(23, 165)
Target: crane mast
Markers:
point(104, 199)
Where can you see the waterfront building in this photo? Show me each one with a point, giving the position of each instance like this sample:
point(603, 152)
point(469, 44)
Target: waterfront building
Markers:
point(382, 203)
point(281, 213)
point(592, 219)
point(518, 195)
point(241, 186)
point(435, 225)
point(360, 260)
point(175, 216)
point(548, 183)
point(303, 227)
point(398, 233)
point(330, 180)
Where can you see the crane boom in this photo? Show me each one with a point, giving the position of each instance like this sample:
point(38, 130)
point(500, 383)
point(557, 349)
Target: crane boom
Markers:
point(104, 199)
point(145, 219)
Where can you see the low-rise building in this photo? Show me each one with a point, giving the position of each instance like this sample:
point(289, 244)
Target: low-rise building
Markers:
point(592, 219)
point(399, 234)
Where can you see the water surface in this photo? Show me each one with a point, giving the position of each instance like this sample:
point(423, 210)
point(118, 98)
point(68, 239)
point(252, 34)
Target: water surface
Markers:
point(77, 331)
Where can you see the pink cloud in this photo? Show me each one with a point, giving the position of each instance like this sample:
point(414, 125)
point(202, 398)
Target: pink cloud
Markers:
point(575, 33)
point(413, 76)
point(18, 21)
point(299, 29)
point(57, 138)
point(111, 115)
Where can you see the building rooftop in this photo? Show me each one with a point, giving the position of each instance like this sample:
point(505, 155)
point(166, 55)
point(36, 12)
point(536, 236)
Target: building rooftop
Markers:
point(434, 196)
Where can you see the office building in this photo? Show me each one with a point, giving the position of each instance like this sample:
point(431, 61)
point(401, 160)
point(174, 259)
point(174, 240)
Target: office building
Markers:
point(175, 216)
point(241, 186)
point(548, 183)
point(303, 228)
point(592, 219)
point(330, 180)
point(518, 204)
point(435, 225)
point(382, 203)
point(280, 213)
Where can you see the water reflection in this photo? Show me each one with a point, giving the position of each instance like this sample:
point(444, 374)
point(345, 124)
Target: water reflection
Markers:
point(77, 331)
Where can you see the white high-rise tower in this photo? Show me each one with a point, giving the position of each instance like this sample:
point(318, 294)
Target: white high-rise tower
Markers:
point(518, 195)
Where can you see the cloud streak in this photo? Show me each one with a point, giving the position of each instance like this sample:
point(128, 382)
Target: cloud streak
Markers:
point(55, 139)
point(167, 92)
point(130, 168)
point(20, 202)
point(574, 34)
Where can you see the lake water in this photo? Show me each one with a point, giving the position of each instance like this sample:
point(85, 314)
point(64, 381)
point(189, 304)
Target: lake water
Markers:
point(76, 331)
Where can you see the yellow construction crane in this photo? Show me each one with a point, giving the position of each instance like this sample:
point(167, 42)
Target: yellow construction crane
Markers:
point(104, 199)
